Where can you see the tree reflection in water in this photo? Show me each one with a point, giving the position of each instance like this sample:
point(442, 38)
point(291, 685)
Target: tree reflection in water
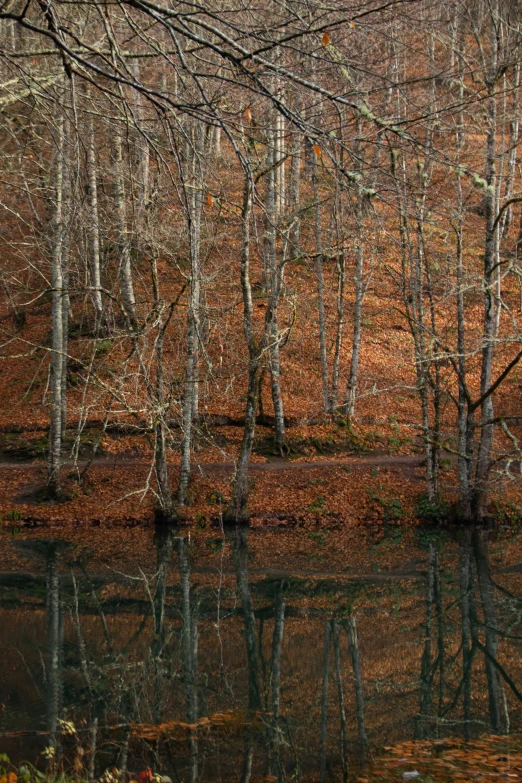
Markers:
point(197, 673)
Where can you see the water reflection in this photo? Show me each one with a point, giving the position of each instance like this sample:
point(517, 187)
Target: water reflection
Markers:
point(200, 674)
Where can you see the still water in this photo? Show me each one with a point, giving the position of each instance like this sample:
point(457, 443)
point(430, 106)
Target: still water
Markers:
point(187, 656)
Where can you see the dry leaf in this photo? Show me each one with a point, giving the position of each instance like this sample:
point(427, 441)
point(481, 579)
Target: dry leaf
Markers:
point(326, 39)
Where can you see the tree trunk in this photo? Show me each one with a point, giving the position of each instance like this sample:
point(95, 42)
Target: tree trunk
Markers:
point(338, 241)
point(294, 195)
point(279, 150)
point(94, 223)
point(273, 279)
point(123, 244)
point(164, 512)
point(237, 513)
point(65, 261)
point(465, 414)
point(489, 318)
point(57, 357)
point(513, 148)
point(351, 391)
point(320, 289)
point(195, 153)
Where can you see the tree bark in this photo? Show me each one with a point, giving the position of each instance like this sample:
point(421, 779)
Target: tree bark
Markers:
point(94, 221)
point(194, 176)
point(320, 289)
point(123, 244)
point(57, 357)
point(273, 279)
point(237, 513)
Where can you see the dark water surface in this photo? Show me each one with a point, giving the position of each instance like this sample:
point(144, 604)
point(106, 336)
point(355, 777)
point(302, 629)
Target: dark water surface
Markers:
point(204, 665)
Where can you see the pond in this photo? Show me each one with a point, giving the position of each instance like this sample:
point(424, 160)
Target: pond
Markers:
point(246, 655)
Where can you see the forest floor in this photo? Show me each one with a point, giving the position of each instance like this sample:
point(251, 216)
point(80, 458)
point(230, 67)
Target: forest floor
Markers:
point(322, 484)
point(283, 492)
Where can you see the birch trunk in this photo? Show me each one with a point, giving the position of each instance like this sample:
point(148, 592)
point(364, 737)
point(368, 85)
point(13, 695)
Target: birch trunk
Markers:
point(273, 277)
point(123, 244)
point(489, 322)
point(57, 357)
point(237, 513)
point(353, 375)
point(320, 289)
point(513, 148)
point(351, 392)
point(94, 223)
point(280, 166)
point(294, 194)
point(338, 241)
point(465, 414)
point(143, 154)
point(65, 261)
point(164, 512)
point(195, 154)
